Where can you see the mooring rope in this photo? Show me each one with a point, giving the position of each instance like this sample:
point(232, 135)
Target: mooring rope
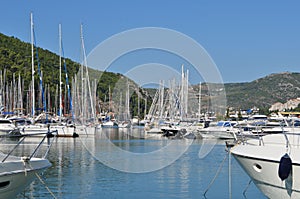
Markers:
point(244, 192)
point(213, 180)
point(48, 189)
point(42, 181)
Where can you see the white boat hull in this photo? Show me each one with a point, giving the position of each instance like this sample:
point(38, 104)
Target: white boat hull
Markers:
point(124, 125)
point(37, 130)
point(261, 163)
point(264, 179)
point(69, 131)
point(109, 124)
point(219, 133)
point(16, 175)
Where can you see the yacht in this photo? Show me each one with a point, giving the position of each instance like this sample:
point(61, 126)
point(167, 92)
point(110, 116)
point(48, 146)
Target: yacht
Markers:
point(73, 130)
point(221, 130)
point(8, 127)
point(153, 133)
point(17, 172)
point(273, 163)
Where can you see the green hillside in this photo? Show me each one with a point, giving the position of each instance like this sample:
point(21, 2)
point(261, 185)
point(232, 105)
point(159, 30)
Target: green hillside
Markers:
point(264, 92)
point(260, 93)
point(15, 58)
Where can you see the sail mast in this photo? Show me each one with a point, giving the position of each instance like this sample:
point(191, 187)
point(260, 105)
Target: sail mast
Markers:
point(60, 97)
point(82, 98)
point(32, 66)
point(199, 103)
point(87, 73)
point(186, 92)
point(20, 100)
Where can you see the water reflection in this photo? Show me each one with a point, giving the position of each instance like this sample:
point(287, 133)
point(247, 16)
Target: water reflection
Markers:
point(76, 173)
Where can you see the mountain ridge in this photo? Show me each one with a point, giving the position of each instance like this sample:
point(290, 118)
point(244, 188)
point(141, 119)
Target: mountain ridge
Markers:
point(265, 91)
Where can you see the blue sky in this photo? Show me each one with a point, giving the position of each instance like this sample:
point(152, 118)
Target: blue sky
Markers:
point(246, 39)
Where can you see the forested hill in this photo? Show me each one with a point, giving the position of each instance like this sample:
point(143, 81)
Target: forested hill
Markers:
point(264, 92)
point(15, 57)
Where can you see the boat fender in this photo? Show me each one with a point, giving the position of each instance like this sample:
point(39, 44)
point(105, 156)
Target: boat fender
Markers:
point(285, 167)
point(75, 135)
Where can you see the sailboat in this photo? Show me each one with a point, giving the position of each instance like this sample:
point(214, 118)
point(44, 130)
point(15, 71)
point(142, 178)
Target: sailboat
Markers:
point(17, 172)
point(124, 122)
point(168, 111)
point(28, 127)
point(110, 120)
point(65, 129)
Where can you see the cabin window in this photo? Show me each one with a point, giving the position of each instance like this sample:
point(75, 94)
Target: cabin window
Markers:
point(5, 121)
point(227, 124)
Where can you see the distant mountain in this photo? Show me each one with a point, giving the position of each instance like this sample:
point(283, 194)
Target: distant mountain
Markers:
point(263, 92)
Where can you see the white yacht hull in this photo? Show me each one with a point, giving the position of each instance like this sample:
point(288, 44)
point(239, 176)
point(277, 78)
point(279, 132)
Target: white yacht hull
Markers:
point(261, 163)
point(109, 124)
point(264, 179)
point(219, 133)
point(228, 134)
point(68, 131)
point(36, 130)
point(16, 175)
point(124, 125)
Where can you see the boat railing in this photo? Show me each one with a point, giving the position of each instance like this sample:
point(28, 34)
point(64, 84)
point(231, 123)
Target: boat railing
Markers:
point(47, 135)
point(260, 137)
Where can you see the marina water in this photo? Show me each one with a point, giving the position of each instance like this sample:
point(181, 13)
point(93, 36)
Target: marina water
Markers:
point(76, 172)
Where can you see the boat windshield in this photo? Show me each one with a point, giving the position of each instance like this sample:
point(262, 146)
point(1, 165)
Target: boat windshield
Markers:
point(224, 124)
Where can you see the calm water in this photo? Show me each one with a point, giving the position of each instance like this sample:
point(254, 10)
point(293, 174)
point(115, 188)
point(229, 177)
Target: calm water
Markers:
point(77, 172)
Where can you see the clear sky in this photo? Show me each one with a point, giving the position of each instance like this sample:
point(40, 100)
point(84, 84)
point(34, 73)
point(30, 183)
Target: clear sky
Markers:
point(246, 39)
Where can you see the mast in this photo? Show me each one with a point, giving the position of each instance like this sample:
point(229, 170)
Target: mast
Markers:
point(67, 86)
point(109, 100)
point(138, 94)
point(14, 93)
point(121, 113)
point(48, 94)
point(60, 97)
point(182, 93)
point(199, 102)
point(32, 66)
point(56, 94)
point(186, 92)
point(75, 93)
point(127, 102)
point(87, 73)
point(161, 106)
point(81, 71)
point(1, 92)
point(145, 111)
point(20, 100)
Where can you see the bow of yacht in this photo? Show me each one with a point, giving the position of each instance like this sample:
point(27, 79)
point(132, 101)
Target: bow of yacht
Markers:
point(19, 167)
point(273, 163)
point(16, 173)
